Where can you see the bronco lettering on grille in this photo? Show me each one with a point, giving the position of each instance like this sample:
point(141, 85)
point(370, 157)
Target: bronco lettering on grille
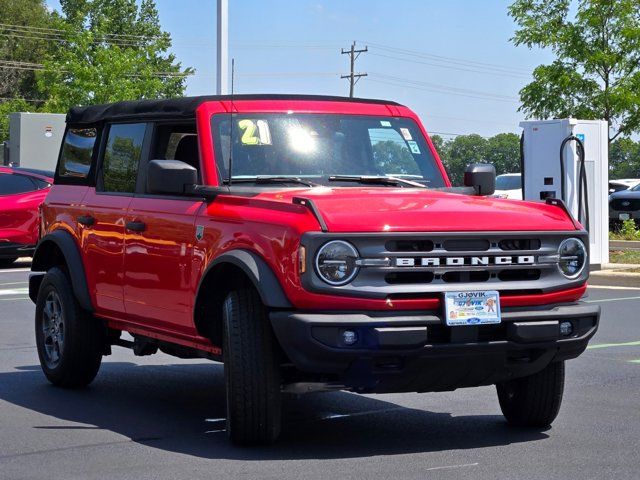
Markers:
point(465, 261)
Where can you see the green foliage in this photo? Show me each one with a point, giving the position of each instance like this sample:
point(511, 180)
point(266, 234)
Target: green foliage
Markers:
point(16, 45)
point(502, 150)
point(112, 50)
point(5, 109)
point(596, 74)
point(628, 231)
point(394, 157)
point(624, 159)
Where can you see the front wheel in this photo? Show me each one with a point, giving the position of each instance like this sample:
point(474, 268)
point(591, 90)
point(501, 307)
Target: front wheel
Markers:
point(533, 401)
point(70, 341)
point(251, 370)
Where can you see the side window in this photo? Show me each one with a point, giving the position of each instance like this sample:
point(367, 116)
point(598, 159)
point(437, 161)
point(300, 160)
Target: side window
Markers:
point(11, 184)
point(177, 142)
point(392, 154)
point(121, 157)
point(77, 150)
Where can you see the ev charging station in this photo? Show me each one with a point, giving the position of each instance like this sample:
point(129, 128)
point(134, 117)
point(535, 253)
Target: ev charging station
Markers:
point(568, 159)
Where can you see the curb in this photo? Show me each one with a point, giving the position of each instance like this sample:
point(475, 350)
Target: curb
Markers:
point(624, 245)
point(615, 278)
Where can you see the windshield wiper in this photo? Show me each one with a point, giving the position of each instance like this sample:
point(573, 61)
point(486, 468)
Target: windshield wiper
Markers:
point(376, 180)
point(263, 180)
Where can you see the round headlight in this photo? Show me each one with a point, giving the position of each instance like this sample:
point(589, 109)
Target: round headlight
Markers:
point(336, 262)
point(573, 257)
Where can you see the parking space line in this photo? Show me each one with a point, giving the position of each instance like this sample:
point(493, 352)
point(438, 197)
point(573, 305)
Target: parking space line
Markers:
point(14, 299)
point(14, 291)
point(608, 345)
point(15, 270)
point(13, 283)
point(612, 299)
point(447, 467)
point(611, 287)
point(634, 361)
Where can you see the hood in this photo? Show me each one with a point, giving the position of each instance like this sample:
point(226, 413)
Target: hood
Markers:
point(625, 194)
point(385, 209)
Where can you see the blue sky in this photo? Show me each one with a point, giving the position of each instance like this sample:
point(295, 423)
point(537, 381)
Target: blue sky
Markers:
point(449, 60)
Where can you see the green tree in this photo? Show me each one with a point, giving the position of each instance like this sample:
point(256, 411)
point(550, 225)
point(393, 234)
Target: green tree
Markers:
point(503, 150)
point(394, 157)
point(111, 50)
point(624, 159)
point(460, 152)
point(21, 47)
point(596, 73)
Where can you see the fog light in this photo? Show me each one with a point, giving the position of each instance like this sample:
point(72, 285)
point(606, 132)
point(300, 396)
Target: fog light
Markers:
point(349, 337)
point(566, 328)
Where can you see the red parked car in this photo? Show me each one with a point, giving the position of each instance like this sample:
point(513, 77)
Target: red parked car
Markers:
point(22, 191)
point(310, 244)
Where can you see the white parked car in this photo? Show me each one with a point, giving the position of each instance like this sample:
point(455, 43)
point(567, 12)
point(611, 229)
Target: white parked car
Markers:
point(509, 185)
point(622, 184)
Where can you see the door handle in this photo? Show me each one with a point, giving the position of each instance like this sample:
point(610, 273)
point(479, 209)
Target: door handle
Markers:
point(136, 226)
point(86, 220)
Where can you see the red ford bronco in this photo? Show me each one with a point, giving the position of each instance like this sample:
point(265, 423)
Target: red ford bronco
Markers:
point(310, 243)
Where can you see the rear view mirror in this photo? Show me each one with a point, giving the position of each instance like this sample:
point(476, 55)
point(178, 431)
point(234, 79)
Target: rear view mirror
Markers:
point(170, 177)
point(482, 177)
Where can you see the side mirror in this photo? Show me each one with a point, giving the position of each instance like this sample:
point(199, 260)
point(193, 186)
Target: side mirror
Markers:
point(170, 177)
point(482, 177)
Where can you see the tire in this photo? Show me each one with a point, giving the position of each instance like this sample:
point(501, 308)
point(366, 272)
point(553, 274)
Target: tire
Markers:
point(251, 370)
point(533, 401)
point(7, 262)
point(70, 341)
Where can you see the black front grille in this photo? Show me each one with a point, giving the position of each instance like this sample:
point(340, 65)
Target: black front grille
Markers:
point(520, 244)
point(404, 278)
point(409, 246)
point(626, 204)
point(467, 245)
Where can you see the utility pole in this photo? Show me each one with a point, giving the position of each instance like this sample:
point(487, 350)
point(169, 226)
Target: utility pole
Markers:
point(353, 56)
point(222, 72)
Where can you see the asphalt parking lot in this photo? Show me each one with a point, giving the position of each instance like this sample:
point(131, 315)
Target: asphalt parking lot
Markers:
point(160, 417)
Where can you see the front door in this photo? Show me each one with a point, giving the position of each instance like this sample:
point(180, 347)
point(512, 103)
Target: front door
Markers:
point(159, 274)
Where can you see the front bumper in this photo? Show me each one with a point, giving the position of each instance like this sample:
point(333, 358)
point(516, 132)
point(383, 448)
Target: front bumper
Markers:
point(418, 352)
point(15, 250)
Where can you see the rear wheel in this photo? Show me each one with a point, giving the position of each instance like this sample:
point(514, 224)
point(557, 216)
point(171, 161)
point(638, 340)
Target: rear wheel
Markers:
point(70, 341)
point(533, 401)
point(251, 370)
point(7, 262)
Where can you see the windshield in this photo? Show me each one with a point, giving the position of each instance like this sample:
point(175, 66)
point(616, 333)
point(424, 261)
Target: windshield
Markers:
point(319, 146)
point(508, 182)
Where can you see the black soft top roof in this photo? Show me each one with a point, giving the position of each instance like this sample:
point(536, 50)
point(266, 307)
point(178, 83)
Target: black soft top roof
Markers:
point(184, 107)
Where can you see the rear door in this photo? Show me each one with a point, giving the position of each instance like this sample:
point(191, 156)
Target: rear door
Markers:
point(159, 275)
point(104, 218)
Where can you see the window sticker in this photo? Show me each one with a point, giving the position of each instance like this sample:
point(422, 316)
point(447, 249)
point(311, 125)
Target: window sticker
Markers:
point(406, 134)
point(413, 145)
point(254, 132)
point(385, 123)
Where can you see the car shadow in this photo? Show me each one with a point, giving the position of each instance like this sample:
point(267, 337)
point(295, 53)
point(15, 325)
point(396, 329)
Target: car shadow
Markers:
point(181, 408)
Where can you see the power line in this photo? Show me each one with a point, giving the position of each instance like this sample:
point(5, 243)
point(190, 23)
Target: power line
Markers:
point(444, 87)
point(398, 82)
point(353, 56)
point(15, 65)
point(452, 67)
point(452, 60)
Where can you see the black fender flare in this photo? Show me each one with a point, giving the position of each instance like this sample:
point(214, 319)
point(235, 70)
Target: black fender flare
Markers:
point(264, 280)
point(41, 262)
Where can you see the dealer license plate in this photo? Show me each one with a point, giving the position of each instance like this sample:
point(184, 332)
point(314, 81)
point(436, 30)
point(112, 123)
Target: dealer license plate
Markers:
point(624, 216)
point(472, 308)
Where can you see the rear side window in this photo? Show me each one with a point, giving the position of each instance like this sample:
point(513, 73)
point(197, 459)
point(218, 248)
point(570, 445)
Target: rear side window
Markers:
point(122, 156)
point(77, 151)
point(11, 184)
